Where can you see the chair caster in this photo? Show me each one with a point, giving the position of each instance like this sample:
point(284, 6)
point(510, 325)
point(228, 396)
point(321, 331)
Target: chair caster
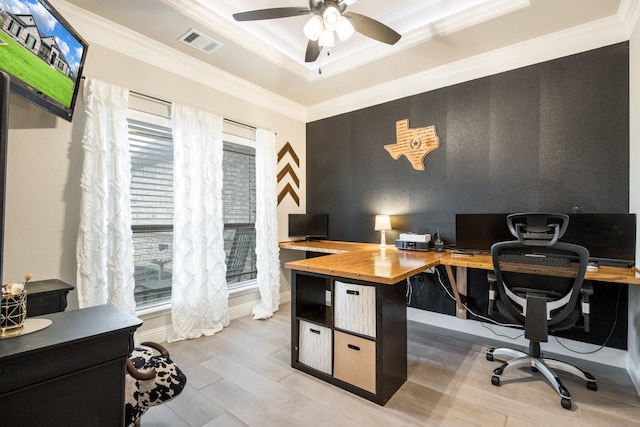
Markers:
point(495, 381)
point(592, 385)
point(489, 356)
point(566, 403)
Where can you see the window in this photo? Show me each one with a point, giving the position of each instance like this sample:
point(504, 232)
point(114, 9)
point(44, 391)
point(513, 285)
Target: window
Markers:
point(151, 149)
point(239, 212)
point(14, 29)
point(31, 41)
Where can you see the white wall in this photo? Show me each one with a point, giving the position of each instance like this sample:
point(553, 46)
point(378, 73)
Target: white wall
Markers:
point(45, 153)
point(633, 341)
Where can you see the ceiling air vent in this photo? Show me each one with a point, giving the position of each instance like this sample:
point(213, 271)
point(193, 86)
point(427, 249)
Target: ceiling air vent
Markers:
point(200, 41)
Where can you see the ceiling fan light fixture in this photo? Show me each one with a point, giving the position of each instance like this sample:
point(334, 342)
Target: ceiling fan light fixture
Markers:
point(313, 28)
point(331, 17)
point(344, 29)
point(326, 38)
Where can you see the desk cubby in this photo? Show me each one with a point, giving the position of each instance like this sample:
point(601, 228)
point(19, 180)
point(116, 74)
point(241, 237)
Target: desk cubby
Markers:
point(361, 326)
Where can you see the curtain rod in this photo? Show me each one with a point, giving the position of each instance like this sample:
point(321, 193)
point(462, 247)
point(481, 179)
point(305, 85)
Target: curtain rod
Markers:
point(153, 98)
point(164, 101)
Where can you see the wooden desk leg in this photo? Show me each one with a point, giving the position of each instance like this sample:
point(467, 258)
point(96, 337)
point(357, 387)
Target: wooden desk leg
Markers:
point(458, 286)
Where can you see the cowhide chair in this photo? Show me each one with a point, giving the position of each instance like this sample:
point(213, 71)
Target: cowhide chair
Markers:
point(152, 378)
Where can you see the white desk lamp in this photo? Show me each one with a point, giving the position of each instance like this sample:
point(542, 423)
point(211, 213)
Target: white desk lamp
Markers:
point(383, 223)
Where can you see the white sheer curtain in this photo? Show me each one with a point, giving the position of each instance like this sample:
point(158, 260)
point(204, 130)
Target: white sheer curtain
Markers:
point(267, 251)
point(199, 295)
point(104, 250)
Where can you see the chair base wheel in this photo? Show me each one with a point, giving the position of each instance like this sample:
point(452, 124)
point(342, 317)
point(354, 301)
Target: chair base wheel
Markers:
point(495, 381)
point(591, 385)
point(489, 357)
point(566, 403)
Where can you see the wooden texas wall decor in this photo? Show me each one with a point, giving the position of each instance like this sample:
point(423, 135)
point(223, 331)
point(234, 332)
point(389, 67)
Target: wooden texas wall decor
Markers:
point(415, 143)
point(288, 170)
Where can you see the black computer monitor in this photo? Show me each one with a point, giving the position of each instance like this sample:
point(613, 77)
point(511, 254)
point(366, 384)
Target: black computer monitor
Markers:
point(609, 238)
point(478, 232)
point(309, 225)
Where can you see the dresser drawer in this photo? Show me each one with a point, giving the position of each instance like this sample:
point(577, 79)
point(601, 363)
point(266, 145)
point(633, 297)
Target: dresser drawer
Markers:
point(355, 308)
point(355, 361)
point(315, 346)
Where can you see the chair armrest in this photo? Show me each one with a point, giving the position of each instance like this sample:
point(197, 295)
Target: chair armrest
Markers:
point(586, 292)
point(139, 375)
point(157, 347)
point(491, 278)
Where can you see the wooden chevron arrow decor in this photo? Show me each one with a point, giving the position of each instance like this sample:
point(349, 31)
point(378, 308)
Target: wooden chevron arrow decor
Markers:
point(288, 189)
point(288, 149)
point(288, 170)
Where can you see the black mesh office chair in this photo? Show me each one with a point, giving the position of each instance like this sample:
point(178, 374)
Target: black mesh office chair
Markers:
point(539, 281)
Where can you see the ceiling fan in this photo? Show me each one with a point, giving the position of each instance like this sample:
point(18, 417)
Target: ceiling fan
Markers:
point(329, 17)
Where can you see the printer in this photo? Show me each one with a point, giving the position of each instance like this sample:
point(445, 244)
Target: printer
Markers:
point(414, 242)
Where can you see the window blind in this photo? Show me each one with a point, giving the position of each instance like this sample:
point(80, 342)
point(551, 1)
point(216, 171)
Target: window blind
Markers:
point(151, 150)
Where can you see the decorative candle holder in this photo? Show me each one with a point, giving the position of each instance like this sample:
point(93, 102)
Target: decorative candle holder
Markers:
point(13, 311)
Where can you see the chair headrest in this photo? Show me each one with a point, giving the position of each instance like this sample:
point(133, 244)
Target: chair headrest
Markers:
point(537, 229)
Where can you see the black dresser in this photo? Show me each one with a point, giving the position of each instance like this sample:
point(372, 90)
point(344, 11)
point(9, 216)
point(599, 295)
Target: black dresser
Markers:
point(69, 374)
point(47, 296)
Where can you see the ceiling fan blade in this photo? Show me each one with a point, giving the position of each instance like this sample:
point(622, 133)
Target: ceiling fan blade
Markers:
point(372, 28)
point(273, 13)
point(313, 51)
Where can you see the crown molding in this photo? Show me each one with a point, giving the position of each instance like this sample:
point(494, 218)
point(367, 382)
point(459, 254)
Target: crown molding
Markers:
point(593, 35)
point(441, 27)
point(585, 37)
point(110, 35)
point(254, 44)
point(629, 14)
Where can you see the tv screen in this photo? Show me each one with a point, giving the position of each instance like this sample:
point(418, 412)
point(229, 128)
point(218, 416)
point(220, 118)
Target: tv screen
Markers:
point(42, 54)
point(308, 225)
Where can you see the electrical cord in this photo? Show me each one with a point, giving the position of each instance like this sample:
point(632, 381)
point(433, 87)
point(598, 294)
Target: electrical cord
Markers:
point(487, 319)
point(409, 295)
point(615, 322)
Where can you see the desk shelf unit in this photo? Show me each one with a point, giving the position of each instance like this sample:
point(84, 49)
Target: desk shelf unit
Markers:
point(332, 337)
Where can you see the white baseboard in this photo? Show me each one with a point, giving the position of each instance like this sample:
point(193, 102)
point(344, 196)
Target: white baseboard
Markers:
point(634, 373)
point(236, 311)
point(607, 356)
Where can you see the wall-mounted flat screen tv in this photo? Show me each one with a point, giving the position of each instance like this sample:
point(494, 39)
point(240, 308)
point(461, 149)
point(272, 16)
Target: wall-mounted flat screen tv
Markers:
point(42, 54)
point(309, 225)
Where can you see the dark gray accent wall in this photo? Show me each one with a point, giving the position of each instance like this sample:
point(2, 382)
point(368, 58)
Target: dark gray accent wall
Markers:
point(547, 137)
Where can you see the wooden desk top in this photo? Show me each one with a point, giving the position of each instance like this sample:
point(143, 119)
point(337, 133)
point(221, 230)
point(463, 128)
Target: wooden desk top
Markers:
point(380, 265)
point(604, 273)
point(369, 262)
point(326, 246)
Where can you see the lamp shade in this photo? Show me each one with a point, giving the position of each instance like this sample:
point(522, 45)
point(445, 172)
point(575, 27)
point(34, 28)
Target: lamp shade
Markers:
point(344, 30)
point(331, 18)
point(326, 38)
point(313, 28)
point(383, 222)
